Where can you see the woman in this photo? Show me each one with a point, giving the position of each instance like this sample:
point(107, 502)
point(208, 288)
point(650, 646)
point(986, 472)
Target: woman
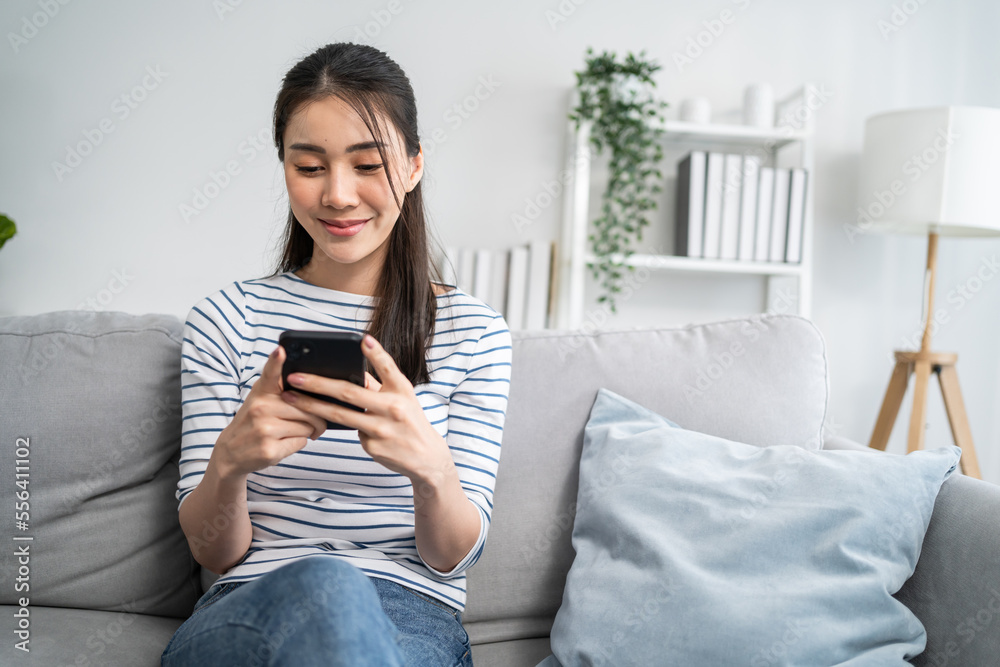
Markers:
point(341, 547)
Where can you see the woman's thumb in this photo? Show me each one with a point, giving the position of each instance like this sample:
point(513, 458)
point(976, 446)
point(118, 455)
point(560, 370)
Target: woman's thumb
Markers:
point(270, 375)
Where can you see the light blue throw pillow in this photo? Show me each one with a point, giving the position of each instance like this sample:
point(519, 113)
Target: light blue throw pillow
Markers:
point(695, 550)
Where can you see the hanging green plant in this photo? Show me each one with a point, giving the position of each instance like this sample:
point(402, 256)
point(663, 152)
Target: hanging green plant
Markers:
point(7, 229)
point(617, 99)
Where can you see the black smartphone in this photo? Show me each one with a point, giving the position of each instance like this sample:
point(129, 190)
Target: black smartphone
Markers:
point(332, 354)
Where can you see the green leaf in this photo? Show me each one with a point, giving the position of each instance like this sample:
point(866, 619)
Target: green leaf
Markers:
point(7, 229)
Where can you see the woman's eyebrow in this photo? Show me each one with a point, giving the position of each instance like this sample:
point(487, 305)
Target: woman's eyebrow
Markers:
point(313, 148)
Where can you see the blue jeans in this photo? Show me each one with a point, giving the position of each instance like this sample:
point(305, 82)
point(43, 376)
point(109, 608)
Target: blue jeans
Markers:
point(319, 611)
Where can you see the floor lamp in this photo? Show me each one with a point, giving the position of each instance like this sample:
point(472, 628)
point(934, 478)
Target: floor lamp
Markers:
point(933, 171)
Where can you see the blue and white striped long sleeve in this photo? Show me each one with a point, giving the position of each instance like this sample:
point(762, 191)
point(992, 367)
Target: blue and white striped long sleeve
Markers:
point(210, 386)
point(476, 415)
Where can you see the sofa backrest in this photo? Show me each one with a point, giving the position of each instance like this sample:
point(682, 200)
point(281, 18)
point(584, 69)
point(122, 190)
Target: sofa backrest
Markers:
point(760, 380)
point(96, 399)
point(97, 395)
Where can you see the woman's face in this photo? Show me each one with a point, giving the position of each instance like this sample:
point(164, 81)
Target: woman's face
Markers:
point(338, 191)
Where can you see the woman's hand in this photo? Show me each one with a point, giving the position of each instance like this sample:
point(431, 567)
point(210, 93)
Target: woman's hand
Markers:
point(394, 431)
point(266, 428)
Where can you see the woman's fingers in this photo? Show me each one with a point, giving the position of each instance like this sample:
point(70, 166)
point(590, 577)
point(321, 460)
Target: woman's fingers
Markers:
point(329, 411)
point(342, 390)
point(291, 415)
point(392, 378)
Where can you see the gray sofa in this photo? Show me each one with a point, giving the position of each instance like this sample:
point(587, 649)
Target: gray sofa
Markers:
point(93, 400)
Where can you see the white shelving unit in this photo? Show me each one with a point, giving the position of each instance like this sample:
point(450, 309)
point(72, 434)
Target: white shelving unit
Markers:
point(782, 278)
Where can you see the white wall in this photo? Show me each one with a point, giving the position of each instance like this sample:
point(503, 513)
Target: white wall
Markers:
point(117, 212)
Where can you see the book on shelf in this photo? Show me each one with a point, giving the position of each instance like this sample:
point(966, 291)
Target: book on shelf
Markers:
point(714, 177)
point(482, 273)
point(765, 201)
point(516, 282)
point(498, 281)
point(466, 269)
point(690, 208)
point(732, 186)
point(779, 216)
point(539, 276)
point(448, 266)
point(796, 215)
point(748, 207)
point(551, 315)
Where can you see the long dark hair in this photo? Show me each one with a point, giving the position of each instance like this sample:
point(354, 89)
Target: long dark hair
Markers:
point(372, 84)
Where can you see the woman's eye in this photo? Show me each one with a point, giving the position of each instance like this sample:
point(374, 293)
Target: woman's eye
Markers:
point(362, 167)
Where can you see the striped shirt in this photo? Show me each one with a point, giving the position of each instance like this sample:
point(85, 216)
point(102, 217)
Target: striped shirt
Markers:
point(330, 498)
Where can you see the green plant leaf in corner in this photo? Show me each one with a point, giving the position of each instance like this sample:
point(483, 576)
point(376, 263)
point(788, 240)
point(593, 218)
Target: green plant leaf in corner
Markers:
point(7, 229)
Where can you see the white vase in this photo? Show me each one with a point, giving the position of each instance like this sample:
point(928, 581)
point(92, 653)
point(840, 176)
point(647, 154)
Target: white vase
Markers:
point(696, 110)
point(758, 105)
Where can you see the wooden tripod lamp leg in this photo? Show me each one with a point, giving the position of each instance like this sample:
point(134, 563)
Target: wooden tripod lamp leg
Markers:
point(890, 405)
point(922, 365)
point(915, 439)
point(958, 420)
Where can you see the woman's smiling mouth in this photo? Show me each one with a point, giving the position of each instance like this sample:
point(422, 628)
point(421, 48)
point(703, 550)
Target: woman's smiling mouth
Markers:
point(344, 227)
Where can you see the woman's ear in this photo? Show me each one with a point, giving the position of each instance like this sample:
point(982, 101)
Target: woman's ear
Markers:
point(416, 170)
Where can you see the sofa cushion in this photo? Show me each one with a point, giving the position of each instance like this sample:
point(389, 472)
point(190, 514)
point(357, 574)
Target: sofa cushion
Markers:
point(761, 380)
point(89, 638)
point(696, 550)
point(507, 653)
point(96, 395)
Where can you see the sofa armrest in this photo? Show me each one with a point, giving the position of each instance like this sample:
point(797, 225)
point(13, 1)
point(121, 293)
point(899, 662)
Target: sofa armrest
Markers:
point(955, 590)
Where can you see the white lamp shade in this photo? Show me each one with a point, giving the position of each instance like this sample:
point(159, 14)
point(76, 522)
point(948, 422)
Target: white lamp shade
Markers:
point(932, 170)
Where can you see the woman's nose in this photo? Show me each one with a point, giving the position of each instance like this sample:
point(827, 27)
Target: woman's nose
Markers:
point(340, 191)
